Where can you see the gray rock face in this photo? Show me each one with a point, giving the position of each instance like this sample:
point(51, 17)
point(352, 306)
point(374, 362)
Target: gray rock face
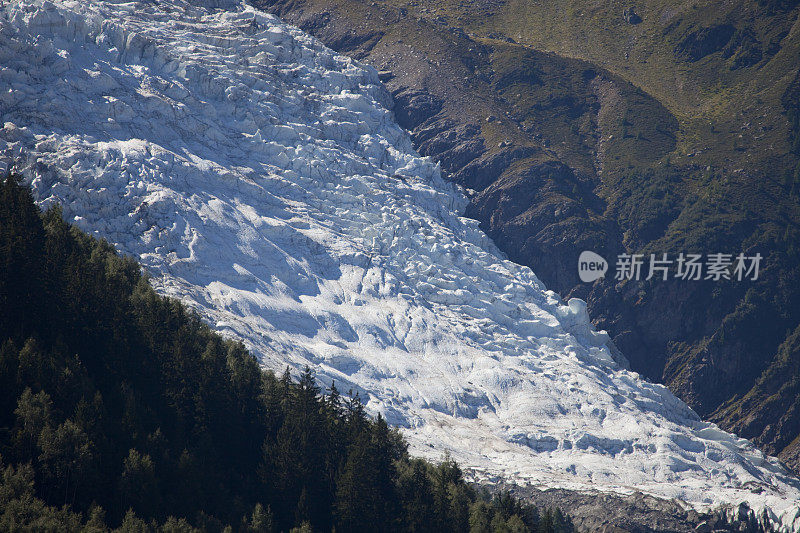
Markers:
point(413, 107)
point(636, 513)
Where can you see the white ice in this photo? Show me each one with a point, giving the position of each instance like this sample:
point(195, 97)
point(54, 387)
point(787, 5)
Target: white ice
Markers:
point(260, 178)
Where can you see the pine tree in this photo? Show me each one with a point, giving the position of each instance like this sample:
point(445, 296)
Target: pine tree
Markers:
point(138, 485)
point(133, 524)
point(546, 522)
point(21, 249)
point(480, 517)
point(515, 524)
point(33, 413)
point(66, 458)
point(355, 414)
point(9, 382)
point(416, 493)
point(261, 521)
point(334, 401)
point(97, 521)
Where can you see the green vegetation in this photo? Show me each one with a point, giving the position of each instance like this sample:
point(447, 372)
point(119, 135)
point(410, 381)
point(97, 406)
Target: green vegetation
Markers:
point(120, 408)
point(646, 202)
point(574, 105)
point(791, 104)
point(720, 69)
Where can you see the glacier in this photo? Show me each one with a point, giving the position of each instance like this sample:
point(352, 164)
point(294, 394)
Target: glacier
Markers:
point(261, 178)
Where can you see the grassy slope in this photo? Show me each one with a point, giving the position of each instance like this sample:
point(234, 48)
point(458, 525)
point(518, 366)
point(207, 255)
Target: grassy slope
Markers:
point(728, 116)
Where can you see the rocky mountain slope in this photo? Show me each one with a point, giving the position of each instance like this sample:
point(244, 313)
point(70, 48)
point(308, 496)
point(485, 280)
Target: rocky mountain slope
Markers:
point(650, 128)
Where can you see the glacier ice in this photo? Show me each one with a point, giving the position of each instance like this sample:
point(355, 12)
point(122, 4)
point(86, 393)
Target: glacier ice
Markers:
point(261, 178)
